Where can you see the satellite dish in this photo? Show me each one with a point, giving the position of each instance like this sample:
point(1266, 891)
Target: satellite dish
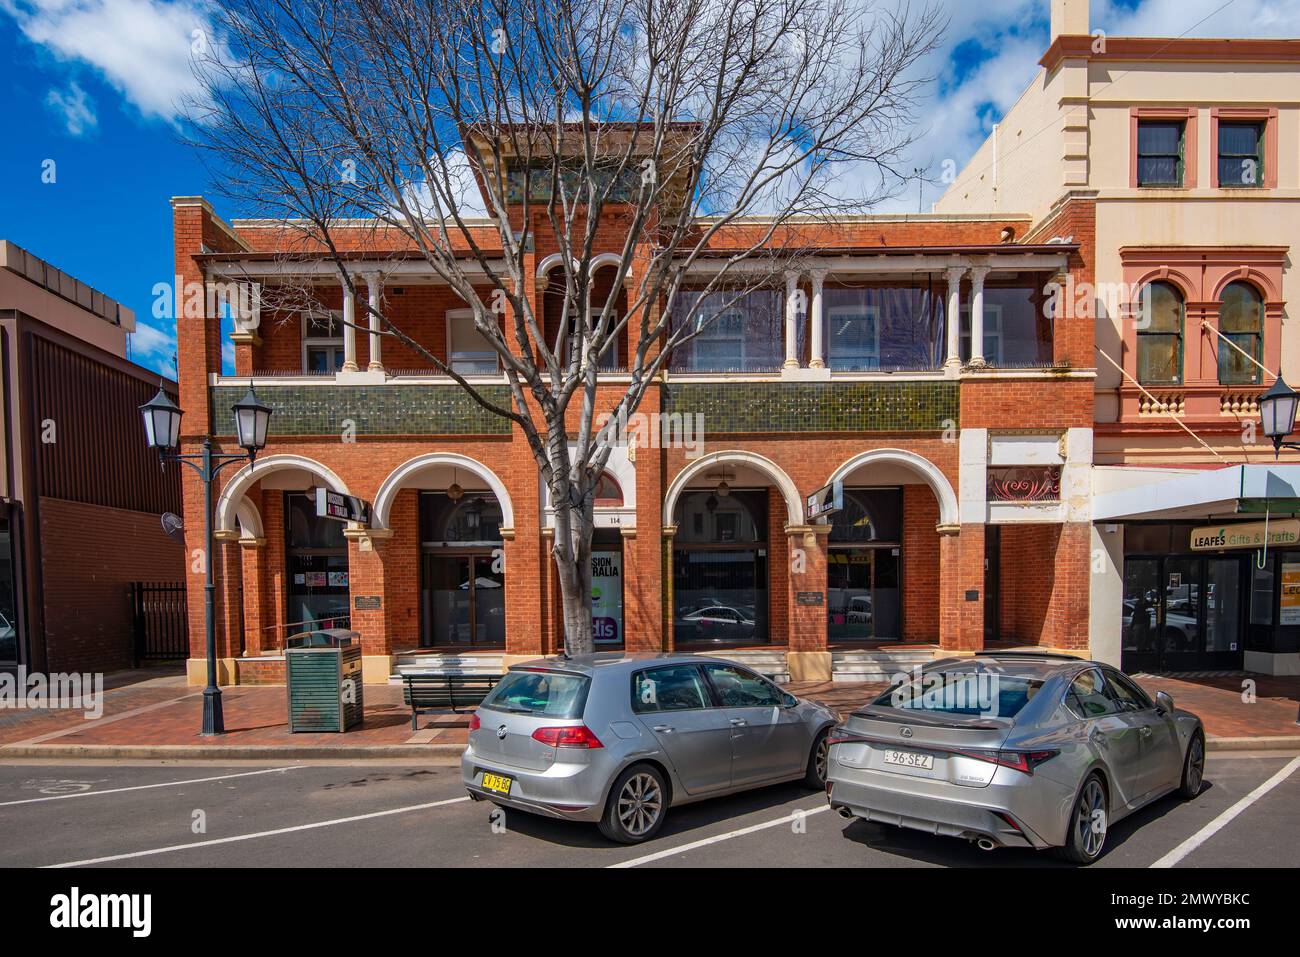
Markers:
point(173, 524)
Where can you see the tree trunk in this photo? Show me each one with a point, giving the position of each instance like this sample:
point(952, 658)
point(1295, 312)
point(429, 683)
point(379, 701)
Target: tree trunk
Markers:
point(572, 551)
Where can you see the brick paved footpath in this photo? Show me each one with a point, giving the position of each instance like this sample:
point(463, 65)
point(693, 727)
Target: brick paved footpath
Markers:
point(146, 709)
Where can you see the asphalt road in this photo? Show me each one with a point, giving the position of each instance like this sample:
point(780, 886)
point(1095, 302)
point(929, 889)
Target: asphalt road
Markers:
point(197, 814)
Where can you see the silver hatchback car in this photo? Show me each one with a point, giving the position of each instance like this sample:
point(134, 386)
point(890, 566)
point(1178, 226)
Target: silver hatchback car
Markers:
point(1014, 750)
point(619, 738)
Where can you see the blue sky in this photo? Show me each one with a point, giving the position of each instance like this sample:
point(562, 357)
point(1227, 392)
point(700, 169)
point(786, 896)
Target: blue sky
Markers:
point(93, 86)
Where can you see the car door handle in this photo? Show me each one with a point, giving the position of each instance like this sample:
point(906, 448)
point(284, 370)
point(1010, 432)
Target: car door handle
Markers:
point(738, 722)
point(664, 728)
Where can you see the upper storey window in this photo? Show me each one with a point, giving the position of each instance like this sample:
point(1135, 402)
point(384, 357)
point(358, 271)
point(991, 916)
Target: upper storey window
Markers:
point(737, 332)
point(322, 342)
point(1160, 335)
point(1241, 320)
point(1241, 154)
point(469, 350)
point(1161, 148)
point(884, 326)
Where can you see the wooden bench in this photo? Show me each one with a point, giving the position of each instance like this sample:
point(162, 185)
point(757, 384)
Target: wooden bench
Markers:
point(426, 692)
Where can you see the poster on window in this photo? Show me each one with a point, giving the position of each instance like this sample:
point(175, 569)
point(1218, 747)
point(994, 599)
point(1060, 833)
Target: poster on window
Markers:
point(607, 597)
point(1290, 610)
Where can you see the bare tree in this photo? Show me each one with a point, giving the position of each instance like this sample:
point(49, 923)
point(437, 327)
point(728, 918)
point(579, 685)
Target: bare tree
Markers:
point(726, 131)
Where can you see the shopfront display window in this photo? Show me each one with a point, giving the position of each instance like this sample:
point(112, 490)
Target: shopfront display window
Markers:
point(1185, 611)
point(720, 574)
point(462, 594)
point(863, 587)
point(607, 587)
point(316, 557)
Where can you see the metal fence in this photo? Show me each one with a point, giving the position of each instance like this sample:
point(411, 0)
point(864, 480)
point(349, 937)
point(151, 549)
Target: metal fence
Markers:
point(158, 614)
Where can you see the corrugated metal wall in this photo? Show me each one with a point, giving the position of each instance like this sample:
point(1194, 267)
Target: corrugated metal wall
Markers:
point(87, 433)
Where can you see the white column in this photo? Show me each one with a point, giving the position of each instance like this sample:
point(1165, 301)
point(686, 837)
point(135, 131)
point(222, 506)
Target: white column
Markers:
point(791, 320)
point(375, 291)
point(977, 275)
point(817, 358)
point(349, 329)
point(952, 361)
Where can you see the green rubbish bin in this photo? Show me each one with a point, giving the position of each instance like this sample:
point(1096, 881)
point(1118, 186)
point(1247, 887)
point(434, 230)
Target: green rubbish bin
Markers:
point(323, 673)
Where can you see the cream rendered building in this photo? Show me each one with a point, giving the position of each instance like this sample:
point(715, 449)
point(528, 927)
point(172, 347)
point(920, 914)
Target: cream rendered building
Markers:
point(1175, 164)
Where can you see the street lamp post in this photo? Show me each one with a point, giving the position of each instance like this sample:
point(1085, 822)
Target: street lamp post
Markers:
point(162, 426)
point(1277, 409)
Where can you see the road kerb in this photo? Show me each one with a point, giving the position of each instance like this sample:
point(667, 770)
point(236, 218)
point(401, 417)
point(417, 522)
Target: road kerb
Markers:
point(442, 753)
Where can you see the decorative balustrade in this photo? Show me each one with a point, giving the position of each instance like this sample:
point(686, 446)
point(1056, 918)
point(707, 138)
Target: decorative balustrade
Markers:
point(1162, 403)
point(1240, 403)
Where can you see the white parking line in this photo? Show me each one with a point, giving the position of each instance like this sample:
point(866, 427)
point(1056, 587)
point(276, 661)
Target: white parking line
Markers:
point(718, 838)
point(254, 836)
point(1222, 821)
point(144, 787)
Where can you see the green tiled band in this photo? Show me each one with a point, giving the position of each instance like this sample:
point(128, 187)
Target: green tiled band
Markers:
point(373, 410)
point(819, 406)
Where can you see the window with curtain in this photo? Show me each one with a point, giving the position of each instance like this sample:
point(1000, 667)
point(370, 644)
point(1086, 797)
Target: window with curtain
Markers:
point(1241, 154)
point(1160, 153)
point(737, 332)
point(1160, 335)
point(1241, 321)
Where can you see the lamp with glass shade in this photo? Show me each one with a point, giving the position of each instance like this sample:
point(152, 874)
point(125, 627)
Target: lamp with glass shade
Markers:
point(1277, 411)
point(162, 430)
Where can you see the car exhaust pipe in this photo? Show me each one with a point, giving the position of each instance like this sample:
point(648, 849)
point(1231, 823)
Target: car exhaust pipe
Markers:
point(984, 844)
point(844, 812)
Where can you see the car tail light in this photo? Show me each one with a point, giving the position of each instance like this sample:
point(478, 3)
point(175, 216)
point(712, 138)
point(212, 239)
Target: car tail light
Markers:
point(579, 736)
point(474, 723)
point(1022, 761)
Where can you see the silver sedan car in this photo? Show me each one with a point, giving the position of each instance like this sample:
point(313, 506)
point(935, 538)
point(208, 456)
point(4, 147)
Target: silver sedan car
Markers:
point(1014, 750)
point(618, 739)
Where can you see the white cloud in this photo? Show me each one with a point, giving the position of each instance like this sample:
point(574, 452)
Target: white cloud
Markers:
point(154, 347)
point(75, 107)
point(1012, 35)
point(142, 48)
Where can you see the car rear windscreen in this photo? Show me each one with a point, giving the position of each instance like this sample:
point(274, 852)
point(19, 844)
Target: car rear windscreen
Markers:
point(962, 693)
point(550, 694)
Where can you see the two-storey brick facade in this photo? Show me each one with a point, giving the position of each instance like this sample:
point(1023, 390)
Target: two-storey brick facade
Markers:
point(964, 468)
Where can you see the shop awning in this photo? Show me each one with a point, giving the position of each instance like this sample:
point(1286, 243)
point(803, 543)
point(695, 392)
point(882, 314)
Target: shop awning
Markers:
point(1214, 493)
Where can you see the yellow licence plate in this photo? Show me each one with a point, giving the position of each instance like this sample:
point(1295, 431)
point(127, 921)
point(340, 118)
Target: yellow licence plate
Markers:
point(497, 782)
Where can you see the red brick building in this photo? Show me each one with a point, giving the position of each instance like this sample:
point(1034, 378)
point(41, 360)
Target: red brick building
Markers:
point(913, 359)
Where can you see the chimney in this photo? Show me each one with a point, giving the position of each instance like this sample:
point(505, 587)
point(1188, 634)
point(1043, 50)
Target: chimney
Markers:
point(1069, 18)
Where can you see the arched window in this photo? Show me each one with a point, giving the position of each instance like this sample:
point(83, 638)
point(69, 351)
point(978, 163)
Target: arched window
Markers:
point(608, 491)
point(1241, 320)
point(1160, 335)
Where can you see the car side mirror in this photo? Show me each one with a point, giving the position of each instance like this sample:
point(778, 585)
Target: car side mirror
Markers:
point(789, 701)
point(1164, 702)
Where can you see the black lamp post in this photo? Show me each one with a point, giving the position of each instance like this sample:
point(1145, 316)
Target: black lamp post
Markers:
point(1277, 409)
point(162, 428)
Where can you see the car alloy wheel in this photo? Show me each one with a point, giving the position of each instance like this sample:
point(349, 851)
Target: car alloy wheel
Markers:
point(1195, 770)
point(1090, 819)
point(822, 756)
point(639, 804)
